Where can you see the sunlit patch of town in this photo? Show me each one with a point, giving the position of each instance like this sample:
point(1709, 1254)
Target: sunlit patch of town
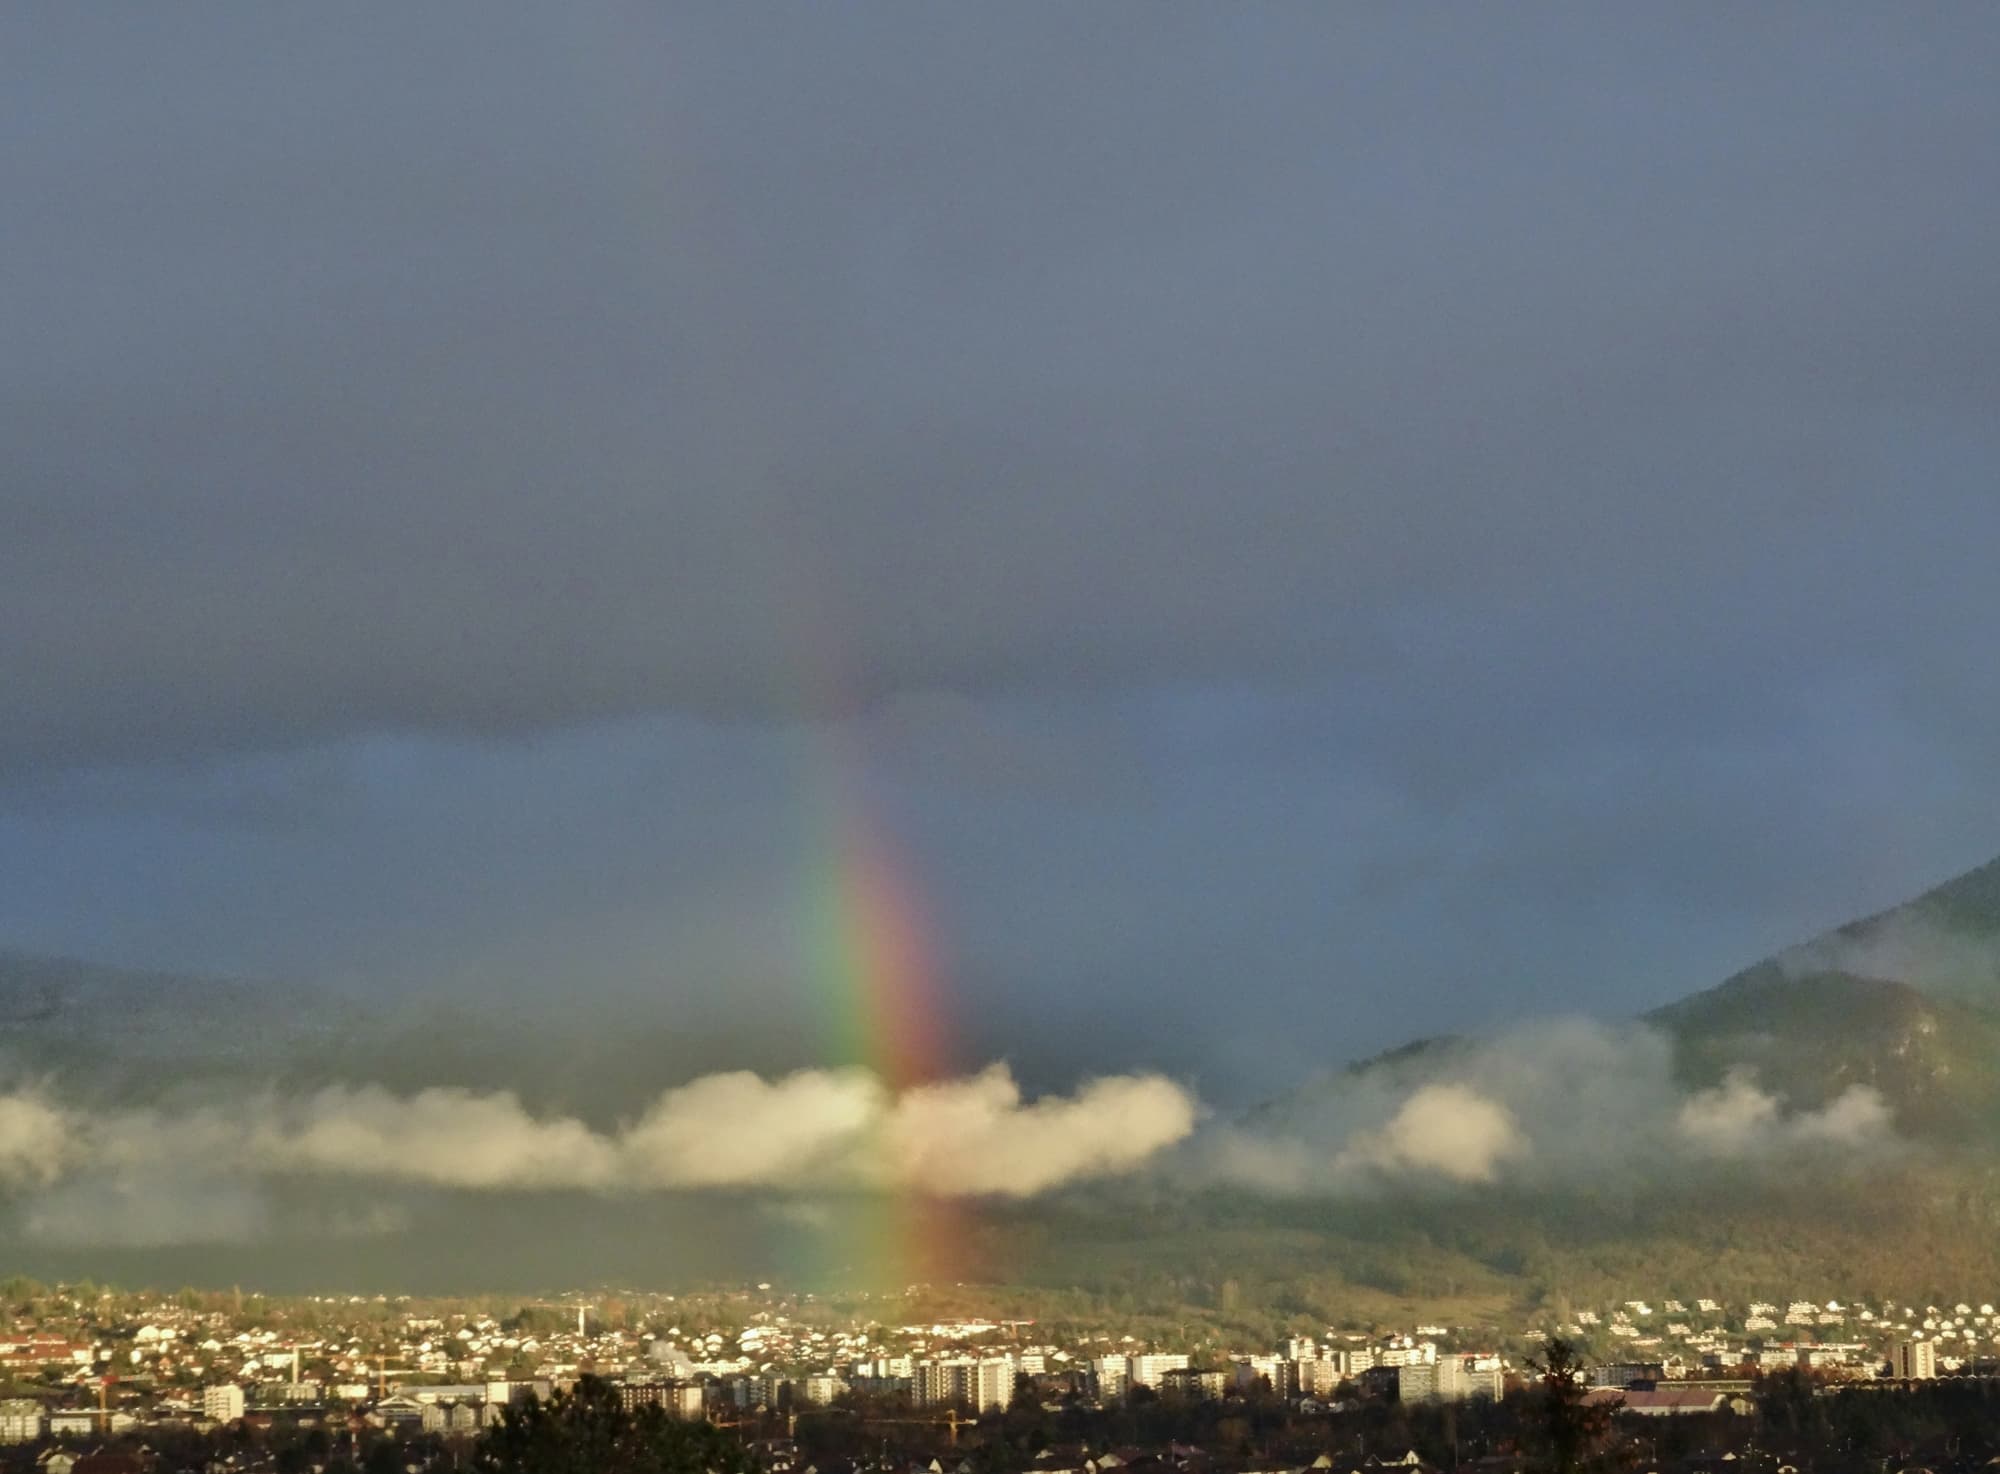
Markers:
point(99, 1381)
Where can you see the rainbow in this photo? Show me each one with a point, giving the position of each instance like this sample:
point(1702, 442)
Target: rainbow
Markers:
point(871, 966)
point(871, 958)
point(863, 947)
point(866, 957)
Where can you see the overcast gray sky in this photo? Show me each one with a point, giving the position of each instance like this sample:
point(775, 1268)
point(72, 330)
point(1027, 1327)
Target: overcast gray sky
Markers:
point(1305, 525)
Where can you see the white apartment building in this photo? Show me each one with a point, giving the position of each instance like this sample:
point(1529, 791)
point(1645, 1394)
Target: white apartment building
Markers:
point(1461, 1377)
point(982, 1385)
point(1448, 1379)
point(1403, 1356)
point(1108, 1375)
point(1913, 1361)
point(1315, 1376)
point(1147, 1370)
point(224, 1403)
point(995, 1387)
point(20, 1420)
point(1193, 1386)
point(821, 1388)
point(1279, 1371)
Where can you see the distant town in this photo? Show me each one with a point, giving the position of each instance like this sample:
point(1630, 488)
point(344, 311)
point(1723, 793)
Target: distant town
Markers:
point(97, 1380)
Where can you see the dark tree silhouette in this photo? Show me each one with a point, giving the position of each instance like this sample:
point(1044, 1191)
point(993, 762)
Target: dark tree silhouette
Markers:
point(588, 1430)
point(1572, 1427)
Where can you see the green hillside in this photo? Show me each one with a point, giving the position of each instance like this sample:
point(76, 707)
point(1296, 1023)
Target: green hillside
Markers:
point(1968, 905)
point(1921, 1232)
point(1809, 1038)
point(1906, 1001)
point(1945, 942)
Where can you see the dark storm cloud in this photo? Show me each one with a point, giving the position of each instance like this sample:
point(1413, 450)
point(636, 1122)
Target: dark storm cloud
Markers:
point(488, 371)
point(1308, 525)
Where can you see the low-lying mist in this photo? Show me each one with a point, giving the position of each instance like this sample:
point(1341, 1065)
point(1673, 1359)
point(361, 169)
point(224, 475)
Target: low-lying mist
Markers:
point(1563, 1104)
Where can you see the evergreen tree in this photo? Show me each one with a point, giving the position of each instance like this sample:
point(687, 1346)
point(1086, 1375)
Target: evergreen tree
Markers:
point(588, 1430)
point(1572, 1427)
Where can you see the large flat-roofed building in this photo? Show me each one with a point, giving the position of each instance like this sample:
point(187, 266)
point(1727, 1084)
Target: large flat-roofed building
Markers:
point(980, 1385)
point(20, 1420)
point(1913, 1361)
point(1627, 1373)
point(1148, 1369)
point(680, 1399)
point(1459, 1378)
point(224, 1403)
point(1191, 1384)
point(1448, 1379)
point(1315, 1376)
point(1108, 1376)
point(1279, 1372)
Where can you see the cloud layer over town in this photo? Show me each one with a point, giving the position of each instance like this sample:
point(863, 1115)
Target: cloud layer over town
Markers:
point(1553, 1104)
point(1564, 1103)
point(811, 1131)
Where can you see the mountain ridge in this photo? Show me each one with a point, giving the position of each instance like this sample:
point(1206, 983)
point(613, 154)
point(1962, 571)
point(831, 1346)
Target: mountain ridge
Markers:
point(1809, 1028)
point(1641, 1220)
point(1905, 1000)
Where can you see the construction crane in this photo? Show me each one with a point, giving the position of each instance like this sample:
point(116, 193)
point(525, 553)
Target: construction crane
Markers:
point(383, 1371)
point(948, 1419)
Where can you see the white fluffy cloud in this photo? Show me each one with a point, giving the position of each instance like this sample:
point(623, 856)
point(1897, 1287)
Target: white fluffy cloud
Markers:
point(1448, 1130)
point(741, 1130)
point(1559, 1102)
point(976, 1136)
point(811, 1130)
point(33, 1139)
point(1738, 1119)
point(1731, 1120)
point(448, 1138)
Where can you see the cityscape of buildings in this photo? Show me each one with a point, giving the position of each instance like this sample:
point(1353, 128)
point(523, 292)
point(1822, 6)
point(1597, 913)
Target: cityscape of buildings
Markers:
point(85, 1366)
